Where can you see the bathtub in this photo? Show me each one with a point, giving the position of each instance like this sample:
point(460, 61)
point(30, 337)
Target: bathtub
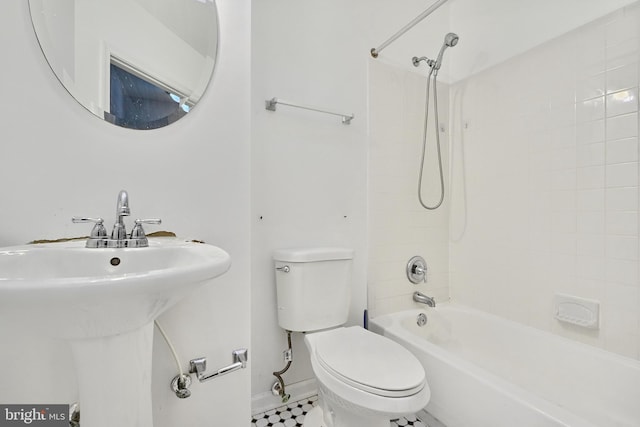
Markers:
point(485, 371)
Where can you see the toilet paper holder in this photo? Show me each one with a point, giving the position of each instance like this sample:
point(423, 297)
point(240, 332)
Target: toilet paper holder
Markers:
point(199, 366)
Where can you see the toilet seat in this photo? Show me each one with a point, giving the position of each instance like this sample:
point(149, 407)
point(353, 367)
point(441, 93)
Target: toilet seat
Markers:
point(369, 362)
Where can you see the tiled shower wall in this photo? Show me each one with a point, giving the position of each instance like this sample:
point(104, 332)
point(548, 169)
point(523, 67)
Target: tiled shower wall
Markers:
point(545, 183)
point(399, 227)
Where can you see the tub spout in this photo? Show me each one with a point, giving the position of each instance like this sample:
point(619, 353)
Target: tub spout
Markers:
point(421, 298)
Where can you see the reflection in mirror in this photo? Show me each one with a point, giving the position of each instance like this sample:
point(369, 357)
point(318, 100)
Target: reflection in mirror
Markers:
point(139, 104)
point(139, 64)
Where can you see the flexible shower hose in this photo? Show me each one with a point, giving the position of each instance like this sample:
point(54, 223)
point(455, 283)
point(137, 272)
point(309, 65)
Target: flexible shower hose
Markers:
point(424, 141)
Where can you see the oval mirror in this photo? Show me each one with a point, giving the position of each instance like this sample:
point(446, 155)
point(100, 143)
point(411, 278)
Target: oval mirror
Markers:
point(139, 64)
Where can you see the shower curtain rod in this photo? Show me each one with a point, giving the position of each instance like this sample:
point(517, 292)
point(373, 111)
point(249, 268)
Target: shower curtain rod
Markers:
point(376, 50)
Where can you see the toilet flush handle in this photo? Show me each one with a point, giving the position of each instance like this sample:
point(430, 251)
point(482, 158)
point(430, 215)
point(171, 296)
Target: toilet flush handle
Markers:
point(284, 268)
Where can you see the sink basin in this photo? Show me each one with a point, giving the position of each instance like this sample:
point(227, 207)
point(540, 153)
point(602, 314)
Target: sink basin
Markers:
point(65, 290)
point(103, 303)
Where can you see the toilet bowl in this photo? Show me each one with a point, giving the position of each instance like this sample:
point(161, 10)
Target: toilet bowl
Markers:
point(364, 379)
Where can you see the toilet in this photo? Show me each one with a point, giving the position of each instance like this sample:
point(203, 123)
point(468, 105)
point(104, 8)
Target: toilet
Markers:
point(364, 379)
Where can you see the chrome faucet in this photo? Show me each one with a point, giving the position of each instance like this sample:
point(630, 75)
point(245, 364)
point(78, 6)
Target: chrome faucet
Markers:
point(423, 299)
point(119, 237)
point(119, 231)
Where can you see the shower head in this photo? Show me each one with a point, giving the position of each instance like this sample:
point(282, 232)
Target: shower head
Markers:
point(450, 40)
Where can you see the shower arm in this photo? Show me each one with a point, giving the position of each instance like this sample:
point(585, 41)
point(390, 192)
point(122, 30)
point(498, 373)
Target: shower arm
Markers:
point(375, 51)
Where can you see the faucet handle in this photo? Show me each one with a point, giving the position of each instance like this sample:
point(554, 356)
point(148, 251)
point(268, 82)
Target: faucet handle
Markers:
point(417, 270)
point(149, 221)
point(138, 232)
point(98, 231)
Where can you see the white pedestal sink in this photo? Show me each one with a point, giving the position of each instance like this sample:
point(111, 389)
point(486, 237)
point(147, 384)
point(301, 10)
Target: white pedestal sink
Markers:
point(104, 301)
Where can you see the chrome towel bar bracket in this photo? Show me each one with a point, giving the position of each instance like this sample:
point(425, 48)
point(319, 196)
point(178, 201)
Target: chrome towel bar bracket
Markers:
point(199, 366)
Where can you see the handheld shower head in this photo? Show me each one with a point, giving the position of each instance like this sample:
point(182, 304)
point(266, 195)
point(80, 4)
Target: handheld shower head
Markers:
point(450, 40)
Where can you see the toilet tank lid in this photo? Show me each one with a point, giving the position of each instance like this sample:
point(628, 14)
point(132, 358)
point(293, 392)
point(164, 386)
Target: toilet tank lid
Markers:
point(312, 254)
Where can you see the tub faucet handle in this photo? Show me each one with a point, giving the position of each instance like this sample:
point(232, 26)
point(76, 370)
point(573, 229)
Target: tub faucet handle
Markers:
point(417, 270)
point(420, 271)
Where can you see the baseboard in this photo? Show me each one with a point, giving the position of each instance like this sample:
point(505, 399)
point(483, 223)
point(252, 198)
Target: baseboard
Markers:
point(266, 401)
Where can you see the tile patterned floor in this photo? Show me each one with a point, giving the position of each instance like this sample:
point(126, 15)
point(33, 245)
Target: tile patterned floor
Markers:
point(292, 415)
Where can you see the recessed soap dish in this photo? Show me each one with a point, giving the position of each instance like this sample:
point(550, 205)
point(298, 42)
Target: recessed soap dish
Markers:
point(577, 311)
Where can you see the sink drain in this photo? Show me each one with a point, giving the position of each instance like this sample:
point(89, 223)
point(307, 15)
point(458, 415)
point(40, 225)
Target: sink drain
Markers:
point(115, 261)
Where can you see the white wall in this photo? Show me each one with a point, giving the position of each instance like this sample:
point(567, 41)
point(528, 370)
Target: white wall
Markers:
point(58, 160)
point(545, 167)
point(309, 169)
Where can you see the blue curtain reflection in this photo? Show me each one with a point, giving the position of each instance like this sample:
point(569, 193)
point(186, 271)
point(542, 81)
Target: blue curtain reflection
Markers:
point(137, 104)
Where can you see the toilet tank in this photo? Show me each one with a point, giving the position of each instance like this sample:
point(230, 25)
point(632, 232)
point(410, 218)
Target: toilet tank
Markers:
point(313, 287)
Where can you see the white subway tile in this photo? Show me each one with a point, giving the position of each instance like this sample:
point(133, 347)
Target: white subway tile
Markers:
point(621, 30)
point(622, 54)
point(565, 136)
point(590, 109)
point(622, 150)
point(622, 247)
point(622, 175)
point(625, 126)
point(562, 267)
point(564, 243)
point(622, 102)
point(591, 222)
point(590, 154)
point(591, 86)
point(591, 38)
point(563, 179)
point(622, 223)
point(590, 245)
point(591, 200)
point(590, 132)
point(622, 199)
point(563, 200)
point(590, 267)
point(563, 158)
point(590, 177)
point(564, 175)
point(621, 271)
point(623, 77)
point(621, 297)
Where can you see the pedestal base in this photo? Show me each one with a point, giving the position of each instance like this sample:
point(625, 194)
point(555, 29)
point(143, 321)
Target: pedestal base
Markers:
point(114, 379)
